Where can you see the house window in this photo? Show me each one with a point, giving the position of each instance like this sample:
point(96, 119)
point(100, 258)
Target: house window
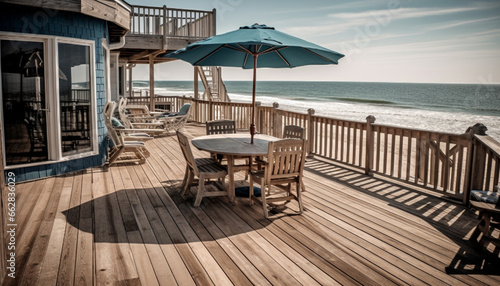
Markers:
point(75, 98)
point(48, 99)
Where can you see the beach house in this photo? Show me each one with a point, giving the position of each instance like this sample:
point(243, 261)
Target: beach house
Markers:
point(62, 60)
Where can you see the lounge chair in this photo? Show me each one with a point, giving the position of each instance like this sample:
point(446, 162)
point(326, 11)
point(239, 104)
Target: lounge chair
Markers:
point(284, 166)
point(112, 122)
point(120, 150)
point(203, 168)
point(153, 128)
point(176, 121)
point(141, 112)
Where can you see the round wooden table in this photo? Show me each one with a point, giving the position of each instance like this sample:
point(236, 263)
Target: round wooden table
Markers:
point(486, 225)
point(234, 146)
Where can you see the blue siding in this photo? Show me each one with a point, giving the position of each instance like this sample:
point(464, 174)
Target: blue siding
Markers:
point(21, 19)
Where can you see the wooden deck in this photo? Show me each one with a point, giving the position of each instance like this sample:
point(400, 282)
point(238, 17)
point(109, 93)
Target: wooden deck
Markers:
point(129, 226)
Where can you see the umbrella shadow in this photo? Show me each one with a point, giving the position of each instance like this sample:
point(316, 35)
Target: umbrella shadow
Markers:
point(153, 216)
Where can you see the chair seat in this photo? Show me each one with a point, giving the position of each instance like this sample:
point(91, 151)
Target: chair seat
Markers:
point(210, 167)
point(203, 168)
point(260, 174)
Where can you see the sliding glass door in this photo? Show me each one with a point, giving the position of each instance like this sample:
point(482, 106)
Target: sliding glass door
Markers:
point(23, 101)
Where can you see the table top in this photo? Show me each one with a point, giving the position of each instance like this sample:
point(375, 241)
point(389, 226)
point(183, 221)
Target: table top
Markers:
point(234, 144)
point(488, 207)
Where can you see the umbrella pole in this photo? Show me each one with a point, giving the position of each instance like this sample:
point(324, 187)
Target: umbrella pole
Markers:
point(252, 122)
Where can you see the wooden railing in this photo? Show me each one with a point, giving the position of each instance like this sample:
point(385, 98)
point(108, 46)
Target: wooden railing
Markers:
point(447, 163)
point(168, 22)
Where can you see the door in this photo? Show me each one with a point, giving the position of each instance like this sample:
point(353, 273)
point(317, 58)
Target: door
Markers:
point(24, 107)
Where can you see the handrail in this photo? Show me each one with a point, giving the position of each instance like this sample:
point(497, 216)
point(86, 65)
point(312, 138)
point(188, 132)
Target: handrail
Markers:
point(447, 163)
point(169, 22)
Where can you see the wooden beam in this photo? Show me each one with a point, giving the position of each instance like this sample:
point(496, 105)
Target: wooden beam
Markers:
point(141, 55)
point(130, 83)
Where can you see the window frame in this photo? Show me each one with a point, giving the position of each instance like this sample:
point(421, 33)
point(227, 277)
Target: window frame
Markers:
point(51, 59)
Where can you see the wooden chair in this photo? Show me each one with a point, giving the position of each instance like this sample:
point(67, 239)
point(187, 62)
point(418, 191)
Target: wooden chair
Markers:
point(284, 166)
point(297, 132)
point(121, 151)
point(204, 169)
point(224, 126)
point(293, 131)
point(220, 127)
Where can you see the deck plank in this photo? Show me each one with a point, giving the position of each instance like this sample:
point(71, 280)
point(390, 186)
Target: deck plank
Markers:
point(49, 272)
point(130, 226)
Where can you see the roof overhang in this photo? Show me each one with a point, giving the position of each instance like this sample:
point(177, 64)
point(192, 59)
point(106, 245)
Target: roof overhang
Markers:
point(116, 12)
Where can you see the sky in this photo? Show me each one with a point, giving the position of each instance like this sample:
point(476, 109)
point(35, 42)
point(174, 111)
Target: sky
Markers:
point(439, 41)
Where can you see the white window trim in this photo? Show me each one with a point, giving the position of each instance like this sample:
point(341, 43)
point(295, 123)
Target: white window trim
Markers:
point(52, 102)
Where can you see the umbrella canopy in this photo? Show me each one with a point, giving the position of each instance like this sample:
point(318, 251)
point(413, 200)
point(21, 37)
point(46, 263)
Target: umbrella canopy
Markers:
point(255, 46)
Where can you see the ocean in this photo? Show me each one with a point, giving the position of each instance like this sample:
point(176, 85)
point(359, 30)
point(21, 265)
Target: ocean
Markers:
point(437, 107)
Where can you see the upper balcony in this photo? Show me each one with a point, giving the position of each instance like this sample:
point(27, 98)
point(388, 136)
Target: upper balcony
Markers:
point(165, 29)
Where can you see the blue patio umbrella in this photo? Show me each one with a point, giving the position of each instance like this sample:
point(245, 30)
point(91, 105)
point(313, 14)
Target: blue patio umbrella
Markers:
point(252, 47)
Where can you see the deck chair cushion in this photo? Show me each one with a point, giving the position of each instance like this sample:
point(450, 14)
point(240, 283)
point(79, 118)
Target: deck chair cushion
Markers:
point(485, 196)
point(184, 110)
point(116, 123)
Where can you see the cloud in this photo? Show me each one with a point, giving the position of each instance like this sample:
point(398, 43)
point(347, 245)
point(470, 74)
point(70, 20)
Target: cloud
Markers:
point(403, 13)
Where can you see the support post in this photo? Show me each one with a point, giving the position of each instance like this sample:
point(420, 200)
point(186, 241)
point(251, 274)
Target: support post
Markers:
point(310, 132)
point(151, 83)
point(130, 83)
point(369, 145)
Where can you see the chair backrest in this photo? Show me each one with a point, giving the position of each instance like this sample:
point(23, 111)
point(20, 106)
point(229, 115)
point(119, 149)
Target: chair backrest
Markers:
point(137, 109)
point(184, 109)
point(293, 131)
point(186, 151)
point(123, 115)
point(221, 127)
point(286, 158)
point(109, 109)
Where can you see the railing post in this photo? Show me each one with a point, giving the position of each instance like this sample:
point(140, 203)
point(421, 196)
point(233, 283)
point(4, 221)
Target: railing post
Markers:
point(276, 121)
point(196, 79)
point(370, 119)
point(165, 28)
point(214, 22)
point(210, 111)
point(476, 157)
point(311, 136)
point(258, 118)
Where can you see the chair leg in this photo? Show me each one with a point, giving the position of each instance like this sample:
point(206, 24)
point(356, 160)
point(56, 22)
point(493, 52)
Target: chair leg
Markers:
point(189, 181)
point(299, 196)
point(201, 190)
point(263, 197)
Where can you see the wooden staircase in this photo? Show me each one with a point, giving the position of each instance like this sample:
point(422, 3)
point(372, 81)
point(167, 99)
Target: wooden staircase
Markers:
point(215, 89)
